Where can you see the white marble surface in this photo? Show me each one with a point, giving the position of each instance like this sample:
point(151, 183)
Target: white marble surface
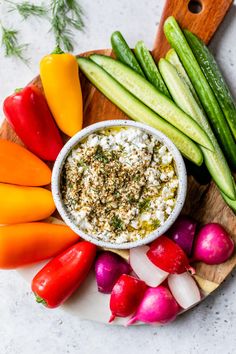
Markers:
point(26, 327)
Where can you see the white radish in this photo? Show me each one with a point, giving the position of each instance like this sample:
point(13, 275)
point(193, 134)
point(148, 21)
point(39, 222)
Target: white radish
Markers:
point(184, 289)
point(144, 268)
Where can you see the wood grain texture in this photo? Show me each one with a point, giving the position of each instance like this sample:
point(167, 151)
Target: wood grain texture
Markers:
point(203, 24)
point(204, 202)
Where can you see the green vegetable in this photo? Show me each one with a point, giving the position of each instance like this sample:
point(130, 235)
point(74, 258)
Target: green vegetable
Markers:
point(137, 110)
point(231, 203)
point(124, 53)
point(179, 43)
point(117, 223)
point(150, 68)
point(152, 98)
point(215, 161)
point(215, 79)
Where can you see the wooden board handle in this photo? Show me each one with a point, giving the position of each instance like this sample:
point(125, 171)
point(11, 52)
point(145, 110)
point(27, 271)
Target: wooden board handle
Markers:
point(203, 23)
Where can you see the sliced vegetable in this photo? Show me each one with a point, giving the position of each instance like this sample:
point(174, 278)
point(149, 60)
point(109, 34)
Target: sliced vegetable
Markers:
point(124, 53)
point(24, 204)
point(213, 245)
point(183, 232)
point(60, 79)
point(172, 58)
point(144, 268)
point(20, 166)
point(136, 110)
point(168, 256)
point(61, 276)
point(214, 160)
point(155, 100)
point(126, 296)
point(27, 243)
point(157, 306)
point(150, 68)
point(214, 77)
point(28, 113)
point(108, 268)
point(179, 43)
point(184, 289)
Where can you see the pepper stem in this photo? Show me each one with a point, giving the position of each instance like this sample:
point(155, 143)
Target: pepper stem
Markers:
point(40, 300)
point(18, 89)
point(57, 50)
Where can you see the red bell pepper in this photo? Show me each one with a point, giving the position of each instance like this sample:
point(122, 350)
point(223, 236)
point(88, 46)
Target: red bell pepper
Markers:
point(28, 113)
point(59, 278)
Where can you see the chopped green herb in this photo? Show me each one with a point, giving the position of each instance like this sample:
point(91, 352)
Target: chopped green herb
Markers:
point(27, 9)
point(100, 155)
point(144, 204)
point(117, 223)
point(155, 223)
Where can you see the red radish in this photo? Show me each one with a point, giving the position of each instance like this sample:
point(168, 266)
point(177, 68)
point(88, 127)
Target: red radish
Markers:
point(213, 244)
point(157, 306)
point(108, 268)
point(182, 232)
point(184, 289)
point(126, 296)
point(144, 268)
point(168, 256)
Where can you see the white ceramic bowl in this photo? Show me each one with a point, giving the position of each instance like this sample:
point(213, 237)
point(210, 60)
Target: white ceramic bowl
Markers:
point(180, 169)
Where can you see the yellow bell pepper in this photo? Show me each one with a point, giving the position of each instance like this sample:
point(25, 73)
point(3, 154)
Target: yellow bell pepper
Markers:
point(61, 84)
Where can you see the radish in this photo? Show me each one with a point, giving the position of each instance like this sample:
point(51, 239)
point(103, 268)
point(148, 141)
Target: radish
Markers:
point(144, 268)
point(182, 232)
point(213, 245)
point(126, 296)
point(168, 256)
point(184, 289)
point(108, 268)
point(157, 306)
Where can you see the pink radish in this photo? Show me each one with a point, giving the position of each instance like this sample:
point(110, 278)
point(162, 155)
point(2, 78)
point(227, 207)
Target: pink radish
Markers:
point(144, 268)
point(184, 289)
point(157, 306)
point(213, 245)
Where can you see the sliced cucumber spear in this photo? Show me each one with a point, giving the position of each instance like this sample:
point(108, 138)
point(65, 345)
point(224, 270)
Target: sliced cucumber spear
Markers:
point(150, 68)
point(124, 53)
point(152, 98)
point(215, 161)
point(137, 110)
point(215, 79)
point(210, 104)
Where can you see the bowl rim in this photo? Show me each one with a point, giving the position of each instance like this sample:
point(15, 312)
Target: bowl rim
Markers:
point(72, 142)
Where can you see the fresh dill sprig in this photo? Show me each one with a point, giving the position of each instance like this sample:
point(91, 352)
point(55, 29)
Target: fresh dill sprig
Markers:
point(11, 45)
point(66, 15)
point(27, 9)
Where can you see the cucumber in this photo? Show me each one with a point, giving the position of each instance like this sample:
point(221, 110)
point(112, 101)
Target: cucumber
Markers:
point(214, 77)
point(172, 57)
point(124, 53)
point(137, 110)
point(231, 203)
point(210, 104)
point(215, 161)
point(150, 68)
point(152, 98)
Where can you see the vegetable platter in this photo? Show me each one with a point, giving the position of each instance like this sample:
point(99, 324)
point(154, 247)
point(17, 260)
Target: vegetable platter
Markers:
point(150, 277)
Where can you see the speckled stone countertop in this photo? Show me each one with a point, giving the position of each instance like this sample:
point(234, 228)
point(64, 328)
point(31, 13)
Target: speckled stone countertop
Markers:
point(26, 327)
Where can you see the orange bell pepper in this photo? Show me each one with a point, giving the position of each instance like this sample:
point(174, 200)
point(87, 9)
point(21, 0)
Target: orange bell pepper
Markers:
point(61, 84)
point(24, 204)
point(27, 243)
point(20, 166)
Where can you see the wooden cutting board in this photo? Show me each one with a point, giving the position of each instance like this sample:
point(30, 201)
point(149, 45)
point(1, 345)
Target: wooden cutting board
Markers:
point(204, 203)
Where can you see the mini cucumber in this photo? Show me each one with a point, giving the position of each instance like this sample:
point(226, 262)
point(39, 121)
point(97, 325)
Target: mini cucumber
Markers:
point(150, 68)
point(147, 94)
point(231, 203)
point(210, 104)
point(215, 79)
point(137, 110)
point(215, 161)
point(124, 53)
point(172, 58)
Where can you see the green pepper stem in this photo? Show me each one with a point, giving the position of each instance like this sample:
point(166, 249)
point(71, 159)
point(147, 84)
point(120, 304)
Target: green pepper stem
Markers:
point(40, 300)
point(18, 89)
point(57, 50)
